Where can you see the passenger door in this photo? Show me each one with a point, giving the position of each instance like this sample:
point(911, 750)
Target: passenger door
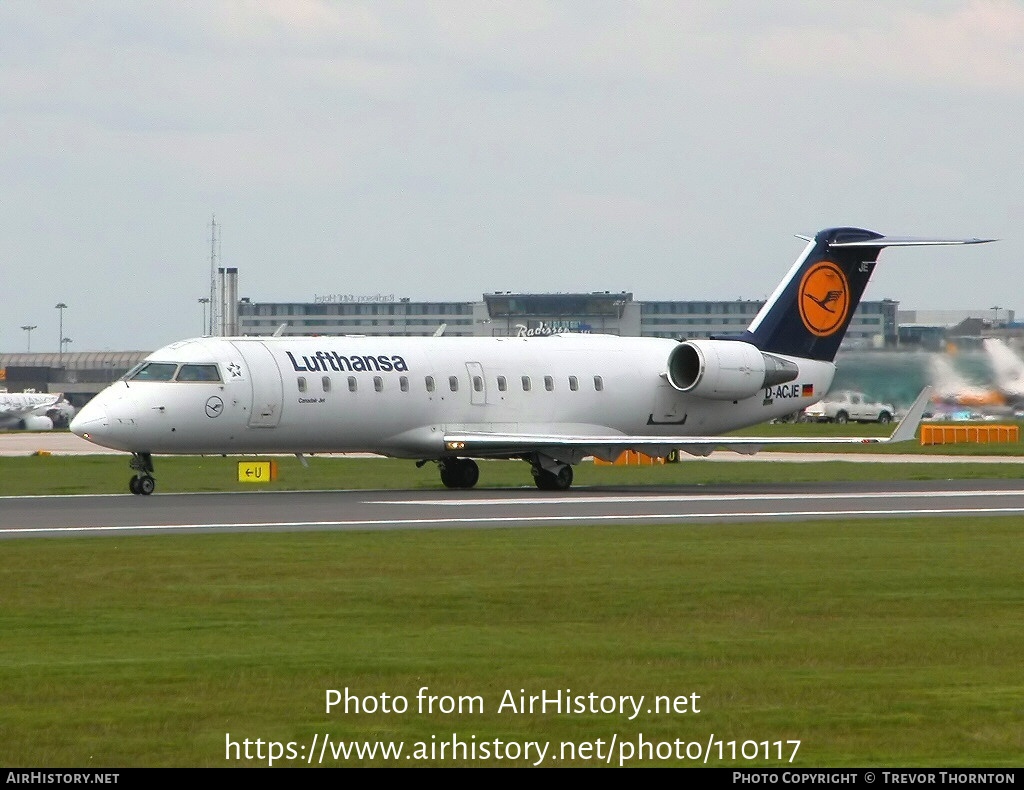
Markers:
point(267, 384)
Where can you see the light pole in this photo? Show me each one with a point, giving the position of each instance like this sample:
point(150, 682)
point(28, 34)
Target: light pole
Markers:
point(64, 341)
point(204, 300)
point(60, 307)
point(29, 329)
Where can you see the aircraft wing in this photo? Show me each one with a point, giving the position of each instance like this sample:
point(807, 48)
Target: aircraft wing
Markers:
point(491, 443)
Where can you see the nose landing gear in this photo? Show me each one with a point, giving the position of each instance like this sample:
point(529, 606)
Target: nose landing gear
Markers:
point(143, 482)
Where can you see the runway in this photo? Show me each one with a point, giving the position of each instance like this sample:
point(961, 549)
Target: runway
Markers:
point(123, 514)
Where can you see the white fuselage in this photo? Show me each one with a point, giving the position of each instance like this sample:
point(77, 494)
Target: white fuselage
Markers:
point(399, 395)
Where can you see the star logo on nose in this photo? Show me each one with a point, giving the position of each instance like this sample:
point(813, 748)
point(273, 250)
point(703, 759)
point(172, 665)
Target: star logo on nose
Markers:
point(235, 370)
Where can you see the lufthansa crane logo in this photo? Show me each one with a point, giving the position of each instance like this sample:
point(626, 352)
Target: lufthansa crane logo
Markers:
point(214, 407)
point(824, 299)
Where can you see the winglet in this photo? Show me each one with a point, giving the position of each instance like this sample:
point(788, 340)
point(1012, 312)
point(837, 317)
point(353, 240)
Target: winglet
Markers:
point(907, 428)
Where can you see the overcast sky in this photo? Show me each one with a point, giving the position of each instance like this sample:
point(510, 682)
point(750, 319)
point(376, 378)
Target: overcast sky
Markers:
point(437, 150)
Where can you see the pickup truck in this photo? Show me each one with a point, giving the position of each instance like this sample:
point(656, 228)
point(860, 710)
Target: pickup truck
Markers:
point(846, 406)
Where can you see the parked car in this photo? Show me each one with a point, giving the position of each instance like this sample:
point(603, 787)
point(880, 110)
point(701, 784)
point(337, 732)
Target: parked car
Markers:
point(846, 406)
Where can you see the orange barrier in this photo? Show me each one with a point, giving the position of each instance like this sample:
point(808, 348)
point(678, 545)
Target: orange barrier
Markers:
point(980, 434)
point(633, 458)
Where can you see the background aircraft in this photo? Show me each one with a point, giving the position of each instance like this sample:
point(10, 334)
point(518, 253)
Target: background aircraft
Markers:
point(1008, 370)
point(953, 388)
point(1002, 393)
point(34, 411)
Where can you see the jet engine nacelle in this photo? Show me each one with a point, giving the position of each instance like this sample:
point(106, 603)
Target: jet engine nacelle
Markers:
point(35, 422)
point(725, 369)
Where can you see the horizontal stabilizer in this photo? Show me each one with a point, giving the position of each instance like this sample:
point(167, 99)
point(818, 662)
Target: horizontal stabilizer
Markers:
point(905, 241)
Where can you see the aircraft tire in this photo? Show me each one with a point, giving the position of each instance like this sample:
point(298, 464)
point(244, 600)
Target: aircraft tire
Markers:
point(133, 485)
point(448, 476)
point(146, 485)
point(842, 418)
point(470, 472)
point(884, 418)
point(553, 481)
point(460, 473)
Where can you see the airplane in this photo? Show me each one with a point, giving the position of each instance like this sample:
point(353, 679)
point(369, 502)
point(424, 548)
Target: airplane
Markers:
point(1007, 368)
point(29, 410)
point(1004, 395)
point(951, 388)
point(549, 400)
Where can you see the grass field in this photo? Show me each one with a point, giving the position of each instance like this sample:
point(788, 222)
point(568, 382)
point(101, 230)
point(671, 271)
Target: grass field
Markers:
point(872, 643)
point(825, 430)
point(109, 474)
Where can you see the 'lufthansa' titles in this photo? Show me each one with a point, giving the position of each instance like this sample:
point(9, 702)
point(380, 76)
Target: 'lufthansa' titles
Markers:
point(332, 360)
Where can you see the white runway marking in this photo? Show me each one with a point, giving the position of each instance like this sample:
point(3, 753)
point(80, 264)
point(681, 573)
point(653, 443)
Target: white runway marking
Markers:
point(500, 520)
point(540, 499)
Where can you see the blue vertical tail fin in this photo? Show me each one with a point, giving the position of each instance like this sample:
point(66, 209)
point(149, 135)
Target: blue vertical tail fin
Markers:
point(810, 311)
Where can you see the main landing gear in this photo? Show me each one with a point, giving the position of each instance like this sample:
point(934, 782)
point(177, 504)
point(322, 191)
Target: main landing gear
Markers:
point(559, 479)
point(548, 474)
point(143, 482)
point(459, 472)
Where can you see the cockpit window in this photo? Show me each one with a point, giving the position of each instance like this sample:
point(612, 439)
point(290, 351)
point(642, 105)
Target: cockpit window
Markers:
point(154, 371)
point(131, 373)
point(198, 373)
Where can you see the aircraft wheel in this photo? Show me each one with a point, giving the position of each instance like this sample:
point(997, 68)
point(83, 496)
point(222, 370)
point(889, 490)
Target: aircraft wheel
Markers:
point(133, 485)
point(460, 473)
point(470, 473)
point(146, 485)
point(553, 481)
point(842, 418)
point(543, 479)
point(885, 418)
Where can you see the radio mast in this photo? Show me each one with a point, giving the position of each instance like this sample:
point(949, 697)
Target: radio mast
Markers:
point(213, 271)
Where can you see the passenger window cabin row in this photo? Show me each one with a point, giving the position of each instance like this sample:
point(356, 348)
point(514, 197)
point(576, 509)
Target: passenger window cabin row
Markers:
point(430, 385)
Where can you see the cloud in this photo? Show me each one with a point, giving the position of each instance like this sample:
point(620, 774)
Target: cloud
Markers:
point(295, 24)
point(979, 44)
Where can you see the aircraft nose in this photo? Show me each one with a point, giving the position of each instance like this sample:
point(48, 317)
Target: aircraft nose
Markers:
point(92, 417)
point(107, 420)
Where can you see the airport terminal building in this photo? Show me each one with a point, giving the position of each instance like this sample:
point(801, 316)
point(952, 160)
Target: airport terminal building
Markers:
point(504, 314)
